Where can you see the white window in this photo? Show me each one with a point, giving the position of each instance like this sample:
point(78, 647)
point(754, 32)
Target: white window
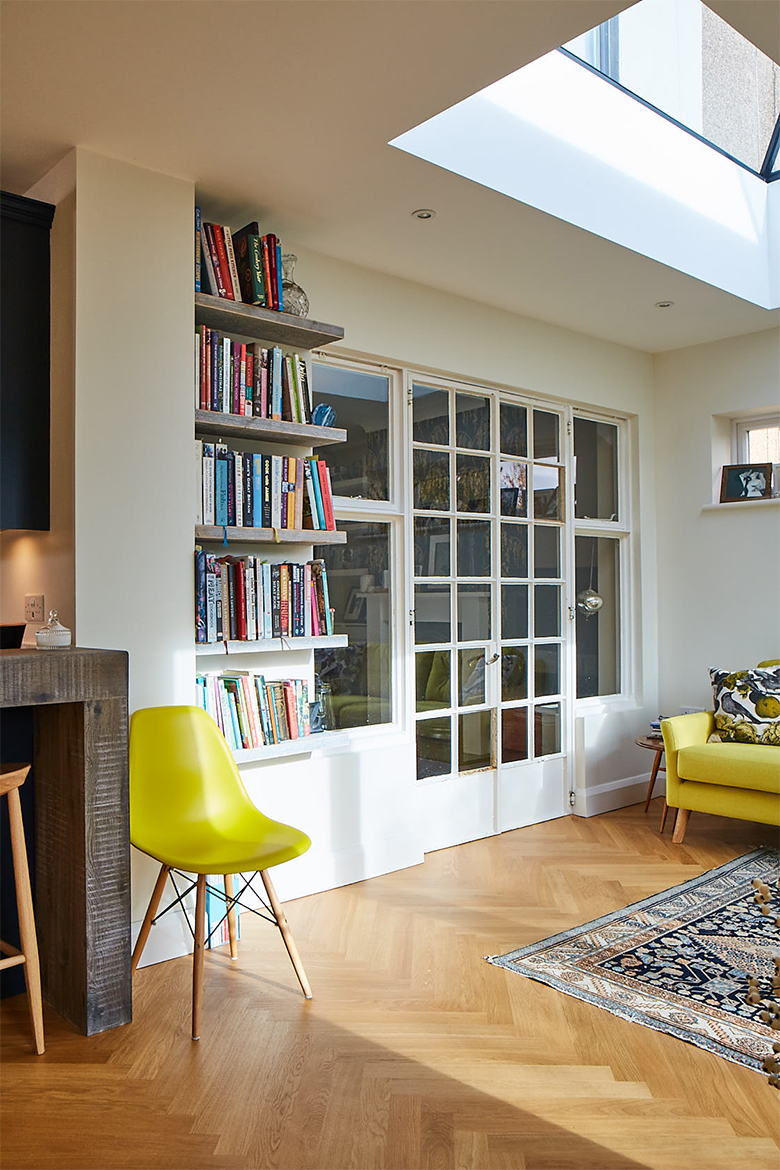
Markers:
point(757, 440)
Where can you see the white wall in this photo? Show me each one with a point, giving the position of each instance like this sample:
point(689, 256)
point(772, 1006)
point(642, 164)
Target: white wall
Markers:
point(718, 569)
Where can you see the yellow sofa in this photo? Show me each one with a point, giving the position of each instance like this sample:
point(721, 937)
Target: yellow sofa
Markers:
point(728, 779)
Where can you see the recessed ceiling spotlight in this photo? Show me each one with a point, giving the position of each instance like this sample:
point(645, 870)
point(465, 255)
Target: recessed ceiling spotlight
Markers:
point(424, 213)
point(664, 304)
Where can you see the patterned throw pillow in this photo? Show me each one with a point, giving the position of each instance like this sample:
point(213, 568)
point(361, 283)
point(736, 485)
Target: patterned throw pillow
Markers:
point(747, 705)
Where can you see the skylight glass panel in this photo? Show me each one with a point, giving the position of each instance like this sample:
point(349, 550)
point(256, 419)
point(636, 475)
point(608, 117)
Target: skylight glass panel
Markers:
point(685, 61)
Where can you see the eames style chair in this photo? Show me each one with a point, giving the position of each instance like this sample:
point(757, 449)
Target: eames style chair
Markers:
point(190, 811)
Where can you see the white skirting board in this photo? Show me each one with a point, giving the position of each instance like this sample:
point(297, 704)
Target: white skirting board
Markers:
point(616, 794)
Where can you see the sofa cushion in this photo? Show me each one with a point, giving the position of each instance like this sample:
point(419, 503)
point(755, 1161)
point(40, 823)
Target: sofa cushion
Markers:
point(747, 705)
point(737, 765)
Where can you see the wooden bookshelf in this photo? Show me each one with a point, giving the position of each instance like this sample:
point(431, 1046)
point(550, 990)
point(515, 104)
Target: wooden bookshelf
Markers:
point(218, 534)
point(263, 324)
point(266, 430)
point(268, 645)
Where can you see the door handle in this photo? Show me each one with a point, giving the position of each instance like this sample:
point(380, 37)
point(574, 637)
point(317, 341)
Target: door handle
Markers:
point(490, 661)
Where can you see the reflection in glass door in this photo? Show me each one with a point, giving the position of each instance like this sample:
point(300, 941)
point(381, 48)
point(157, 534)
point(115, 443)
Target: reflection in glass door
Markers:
point(487, 484)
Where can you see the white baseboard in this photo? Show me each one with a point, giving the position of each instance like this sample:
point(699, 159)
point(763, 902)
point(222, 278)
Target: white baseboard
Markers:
point(616, 794)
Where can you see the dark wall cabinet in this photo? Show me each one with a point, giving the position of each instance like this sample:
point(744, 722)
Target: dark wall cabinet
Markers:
point(24, 361)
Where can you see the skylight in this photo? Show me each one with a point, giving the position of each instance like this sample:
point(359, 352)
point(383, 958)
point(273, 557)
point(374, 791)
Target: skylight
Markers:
point(685, 61)
point(570, 140)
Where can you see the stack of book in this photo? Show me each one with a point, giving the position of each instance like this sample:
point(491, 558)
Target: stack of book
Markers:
point(251, 712)
point(235, 377)
point(241, 489)
point(238, 266)
point(244, 599)
point(655, 728)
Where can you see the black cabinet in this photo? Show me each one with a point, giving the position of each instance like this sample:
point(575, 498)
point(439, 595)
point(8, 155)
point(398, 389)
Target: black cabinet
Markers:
point(24, 361)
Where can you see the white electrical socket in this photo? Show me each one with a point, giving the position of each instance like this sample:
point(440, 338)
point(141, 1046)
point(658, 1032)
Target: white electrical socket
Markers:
point(691, 710)
point(33, 607)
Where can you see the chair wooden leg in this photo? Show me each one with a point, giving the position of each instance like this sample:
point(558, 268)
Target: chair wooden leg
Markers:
point(24, 905)
point(653, 775)
point(231, 916)
point(663, 815)
point(197, 955)
point(681, 824)
point(151, 910)
point(286, 933)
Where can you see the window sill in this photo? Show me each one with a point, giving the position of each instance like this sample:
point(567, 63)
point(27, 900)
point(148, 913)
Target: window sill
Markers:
point(608, 705)
point(741, 504)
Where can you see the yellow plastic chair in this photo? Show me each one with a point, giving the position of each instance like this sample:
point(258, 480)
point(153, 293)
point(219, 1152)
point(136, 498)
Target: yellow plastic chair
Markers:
point(190, 811)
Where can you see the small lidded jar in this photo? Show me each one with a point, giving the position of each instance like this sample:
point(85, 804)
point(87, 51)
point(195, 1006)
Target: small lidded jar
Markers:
point(53, 636)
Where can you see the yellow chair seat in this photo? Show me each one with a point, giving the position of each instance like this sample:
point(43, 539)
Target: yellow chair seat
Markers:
point(736, 765)
point(255, 843)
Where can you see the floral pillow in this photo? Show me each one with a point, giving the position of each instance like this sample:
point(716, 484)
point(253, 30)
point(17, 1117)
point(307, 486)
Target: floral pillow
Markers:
point(747, 705)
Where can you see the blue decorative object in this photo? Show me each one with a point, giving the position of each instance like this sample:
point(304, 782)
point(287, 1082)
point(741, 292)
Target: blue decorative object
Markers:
point(323, 415)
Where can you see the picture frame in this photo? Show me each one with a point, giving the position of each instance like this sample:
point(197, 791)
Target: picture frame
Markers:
point(745, 481)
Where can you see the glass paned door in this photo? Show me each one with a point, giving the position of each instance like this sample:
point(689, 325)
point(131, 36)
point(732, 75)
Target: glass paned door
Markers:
point(488, 553)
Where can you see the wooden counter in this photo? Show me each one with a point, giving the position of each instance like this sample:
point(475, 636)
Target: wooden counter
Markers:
point(80, 772)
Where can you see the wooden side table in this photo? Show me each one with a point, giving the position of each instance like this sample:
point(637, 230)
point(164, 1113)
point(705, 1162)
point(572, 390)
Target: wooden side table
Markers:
point(657, 746)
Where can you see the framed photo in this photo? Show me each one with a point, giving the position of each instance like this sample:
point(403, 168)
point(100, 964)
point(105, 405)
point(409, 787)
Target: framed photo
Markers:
point(746, 481)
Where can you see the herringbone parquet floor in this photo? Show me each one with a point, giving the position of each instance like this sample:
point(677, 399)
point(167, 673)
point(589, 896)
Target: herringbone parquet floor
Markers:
point(414, 1052)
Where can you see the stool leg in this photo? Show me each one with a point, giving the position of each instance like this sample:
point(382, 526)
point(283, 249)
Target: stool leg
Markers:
point(286, 933)
point(24, 904)
point(151, 910)
point(197, 955)
point(231, 916)
point(653, 775)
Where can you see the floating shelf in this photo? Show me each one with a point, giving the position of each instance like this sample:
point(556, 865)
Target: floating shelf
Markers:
point(214, 532)
point(263, 324)
point(267, 430)
point(267, 645)
point(303, 746)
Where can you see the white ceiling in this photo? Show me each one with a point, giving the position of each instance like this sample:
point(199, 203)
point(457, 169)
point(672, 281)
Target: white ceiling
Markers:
point(281, 110)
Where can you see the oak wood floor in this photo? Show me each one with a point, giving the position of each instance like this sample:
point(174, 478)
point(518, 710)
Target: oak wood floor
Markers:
point(414, 1052)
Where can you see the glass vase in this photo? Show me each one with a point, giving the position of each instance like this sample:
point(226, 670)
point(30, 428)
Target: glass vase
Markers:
point(294, 299)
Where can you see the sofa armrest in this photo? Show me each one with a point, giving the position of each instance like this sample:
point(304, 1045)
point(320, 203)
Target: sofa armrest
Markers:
point(680, 732)
point(686, 730)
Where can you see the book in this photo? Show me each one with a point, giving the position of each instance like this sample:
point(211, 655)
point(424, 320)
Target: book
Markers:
point(249, 262)
point(222, 267)
point(231, 259)
point(207, 478)
point(197, 249)
point(210, 262)
point(200, 596)
point(221, 484)
point(198, 482)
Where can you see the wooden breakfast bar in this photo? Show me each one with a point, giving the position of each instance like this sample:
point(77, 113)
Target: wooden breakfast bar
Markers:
point(80, 773)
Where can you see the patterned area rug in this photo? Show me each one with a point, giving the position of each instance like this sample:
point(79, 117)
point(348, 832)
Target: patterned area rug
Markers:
point(677, 961)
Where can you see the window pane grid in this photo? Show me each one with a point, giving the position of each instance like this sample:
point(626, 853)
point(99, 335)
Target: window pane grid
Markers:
point(490, 537)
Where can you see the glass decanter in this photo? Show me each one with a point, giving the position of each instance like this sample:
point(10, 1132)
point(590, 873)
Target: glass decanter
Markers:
point(294, 299)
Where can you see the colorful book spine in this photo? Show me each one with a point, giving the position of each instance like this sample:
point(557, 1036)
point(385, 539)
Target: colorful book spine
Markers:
point(223, 275)
point(197, 249)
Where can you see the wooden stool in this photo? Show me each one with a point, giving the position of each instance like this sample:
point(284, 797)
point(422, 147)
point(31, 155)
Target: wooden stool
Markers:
point(12, 777)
